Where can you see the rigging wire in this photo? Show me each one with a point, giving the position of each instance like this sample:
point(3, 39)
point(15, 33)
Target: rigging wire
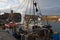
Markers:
point(17, 8)
point(42, 15)
point(40, 12)
point(30, 7)
point(26, 11)
point(21, 7)
point(27, 6)
point(34, 11)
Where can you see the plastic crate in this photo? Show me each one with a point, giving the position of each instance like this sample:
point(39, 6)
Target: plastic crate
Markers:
point(56, 36)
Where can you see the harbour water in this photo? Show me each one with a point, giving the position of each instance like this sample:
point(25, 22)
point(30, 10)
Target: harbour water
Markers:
point(55, 26)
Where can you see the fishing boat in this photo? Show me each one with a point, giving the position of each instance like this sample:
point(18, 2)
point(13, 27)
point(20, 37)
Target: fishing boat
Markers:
point(32, 27)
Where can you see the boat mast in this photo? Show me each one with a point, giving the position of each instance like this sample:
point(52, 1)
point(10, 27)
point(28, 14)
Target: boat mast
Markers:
point(33, 12)
point(10, 18)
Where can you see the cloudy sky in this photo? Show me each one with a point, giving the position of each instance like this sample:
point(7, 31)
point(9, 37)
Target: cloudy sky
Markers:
point(48, 7)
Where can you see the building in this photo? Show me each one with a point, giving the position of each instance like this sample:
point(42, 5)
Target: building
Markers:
point(52, 18)
point(11, 16)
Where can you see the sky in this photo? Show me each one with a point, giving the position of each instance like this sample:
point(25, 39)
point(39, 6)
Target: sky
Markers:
point(47, 7)
point(50, 7)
